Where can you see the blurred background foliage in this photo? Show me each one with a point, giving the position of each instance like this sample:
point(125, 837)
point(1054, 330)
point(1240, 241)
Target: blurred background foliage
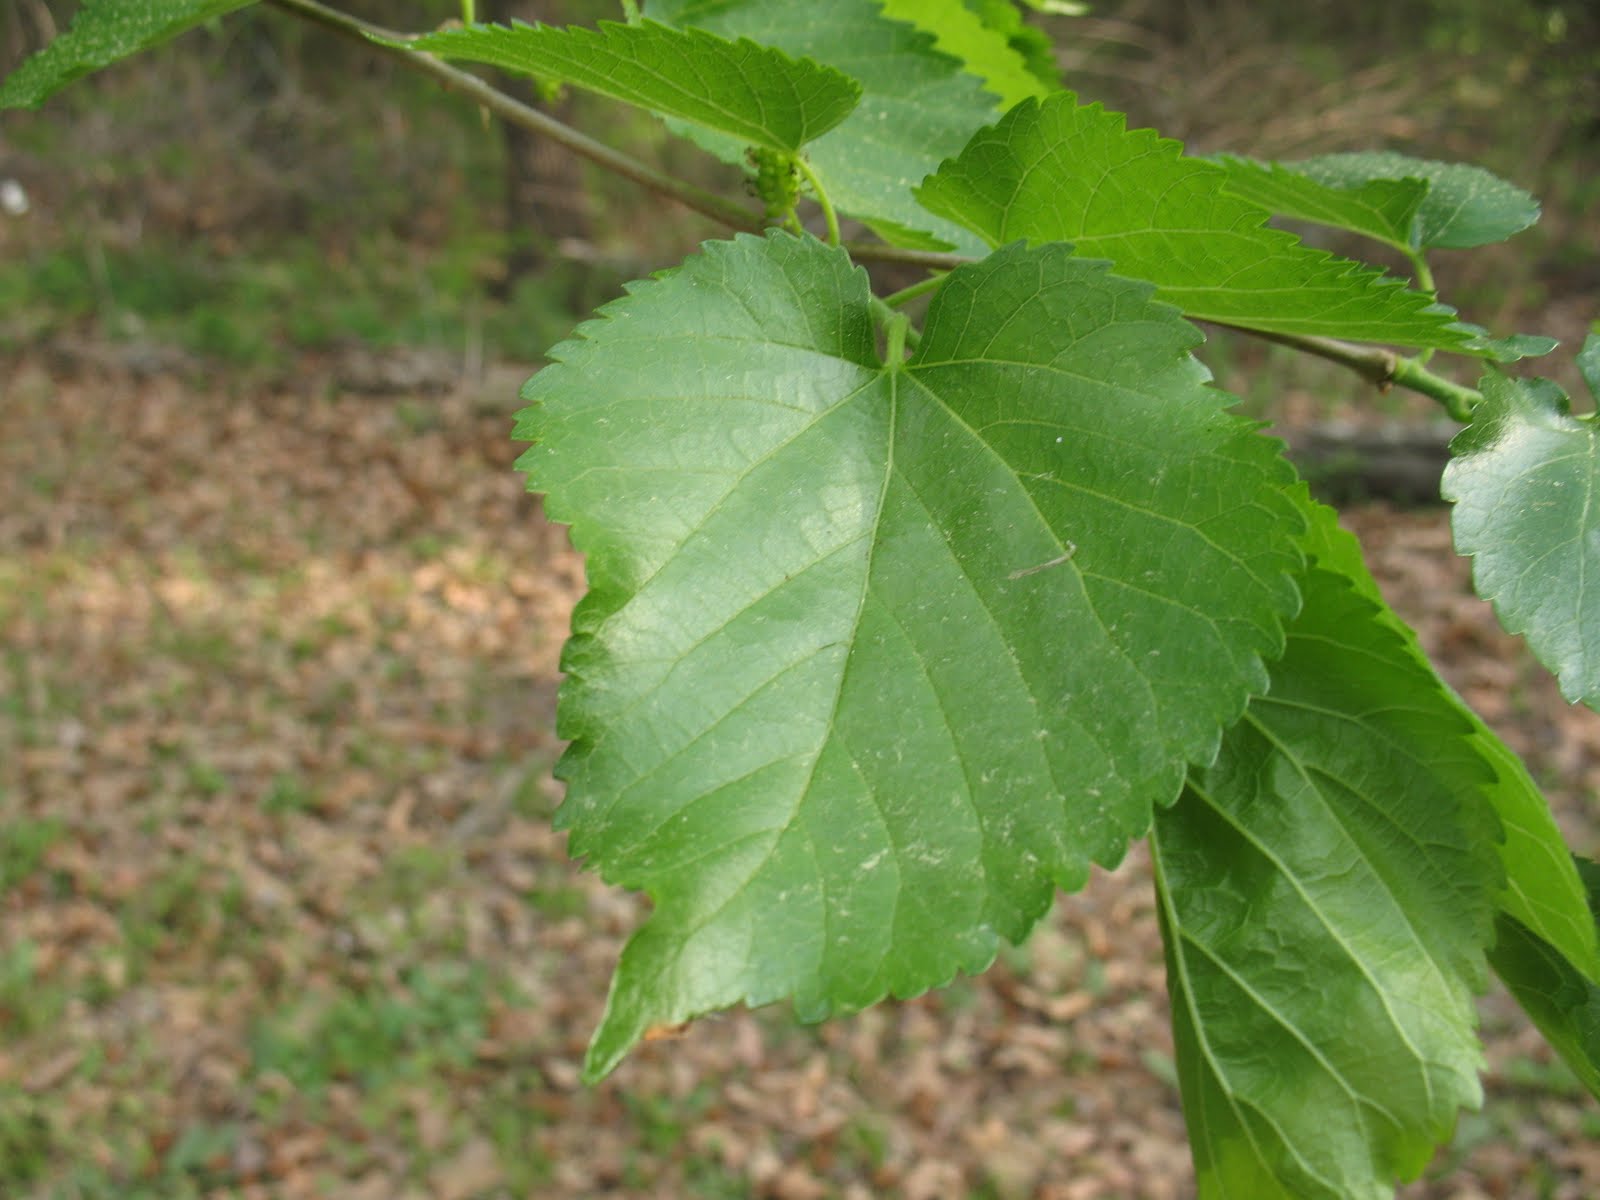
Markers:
point(259, 189)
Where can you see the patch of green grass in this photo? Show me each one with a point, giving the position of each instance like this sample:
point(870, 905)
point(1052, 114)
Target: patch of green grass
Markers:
point(175, 907)
point(23, 843)
point(375, 1036)
point(29, 1003)
point(260, 306)
point(287, 793)
point(29, 1138)
point(562, 900)
point(513, 1124)
point(413, 874)
point(865, 1140)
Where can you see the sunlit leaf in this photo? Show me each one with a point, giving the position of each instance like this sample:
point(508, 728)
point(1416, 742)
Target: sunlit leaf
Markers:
point(987, 53)
point(1060, 171)
point(876, 655)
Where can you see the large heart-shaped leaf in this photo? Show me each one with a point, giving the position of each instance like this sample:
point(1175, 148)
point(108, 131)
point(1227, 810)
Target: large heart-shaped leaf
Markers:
point(1060, 171)
point(1326, 893)
point(875, 653)
point(102, 32)
point(1525, 480)
point(754, 93)
point(917, 107)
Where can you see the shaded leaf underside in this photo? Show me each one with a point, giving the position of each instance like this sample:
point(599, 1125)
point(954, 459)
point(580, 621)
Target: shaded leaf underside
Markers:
point(1326, 893)
point(874, 656)
point(1525, 478)
point(1060, 171)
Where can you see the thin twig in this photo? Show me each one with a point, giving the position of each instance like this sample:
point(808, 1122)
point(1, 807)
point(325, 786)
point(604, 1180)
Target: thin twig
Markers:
point(718, 208)
point(1383, 367)
point(907, 294)
point(933, 260)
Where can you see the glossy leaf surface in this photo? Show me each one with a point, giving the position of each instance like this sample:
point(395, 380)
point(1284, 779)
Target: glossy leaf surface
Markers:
point(754, 93)
point(1060, 171)
point(102, 32)
point(876, 655)
point(1525, 480)
point(1326, 893)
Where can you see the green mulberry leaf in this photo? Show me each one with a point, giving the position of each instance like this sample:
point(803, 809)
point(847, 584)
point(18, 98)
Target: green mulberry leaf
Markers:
point(917, 107)
point(1382, 209)
point(1033, 46)
point(1563, 1002)
point(1465, 206)
point(1326, 893)
point(1542, 891)
point(986, 51)
point(102, 32)
point(1060, 171)
point(1524, 479)
point(875, 655)
point(754, 93)
point(1589, 362)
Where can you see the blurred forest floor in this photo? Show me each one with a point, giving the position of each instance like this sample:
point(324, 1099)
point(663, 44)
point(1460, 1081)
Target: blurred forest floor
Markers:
point(281, 911)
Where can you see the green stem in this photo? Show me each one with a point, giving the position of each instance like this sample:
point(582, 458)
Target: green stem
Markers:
point(630, 11)
point(1425, 284)
point(821, 194)
point(1383, 367)
point(908, 294)
point(718, 208)
point(932, 260)
point(1458, 401)
point(898, 331)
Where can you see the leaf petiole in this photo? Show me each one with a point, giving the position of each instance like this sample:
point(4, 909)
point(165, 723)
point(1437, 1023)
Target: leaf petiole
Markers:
point(1426, 285)
point(823, 202)
point(895, 331)
point(906, 295)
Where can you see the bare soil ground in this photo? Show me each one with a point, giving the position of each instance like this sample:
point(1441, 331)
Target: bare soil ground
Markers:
point(282, 914)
